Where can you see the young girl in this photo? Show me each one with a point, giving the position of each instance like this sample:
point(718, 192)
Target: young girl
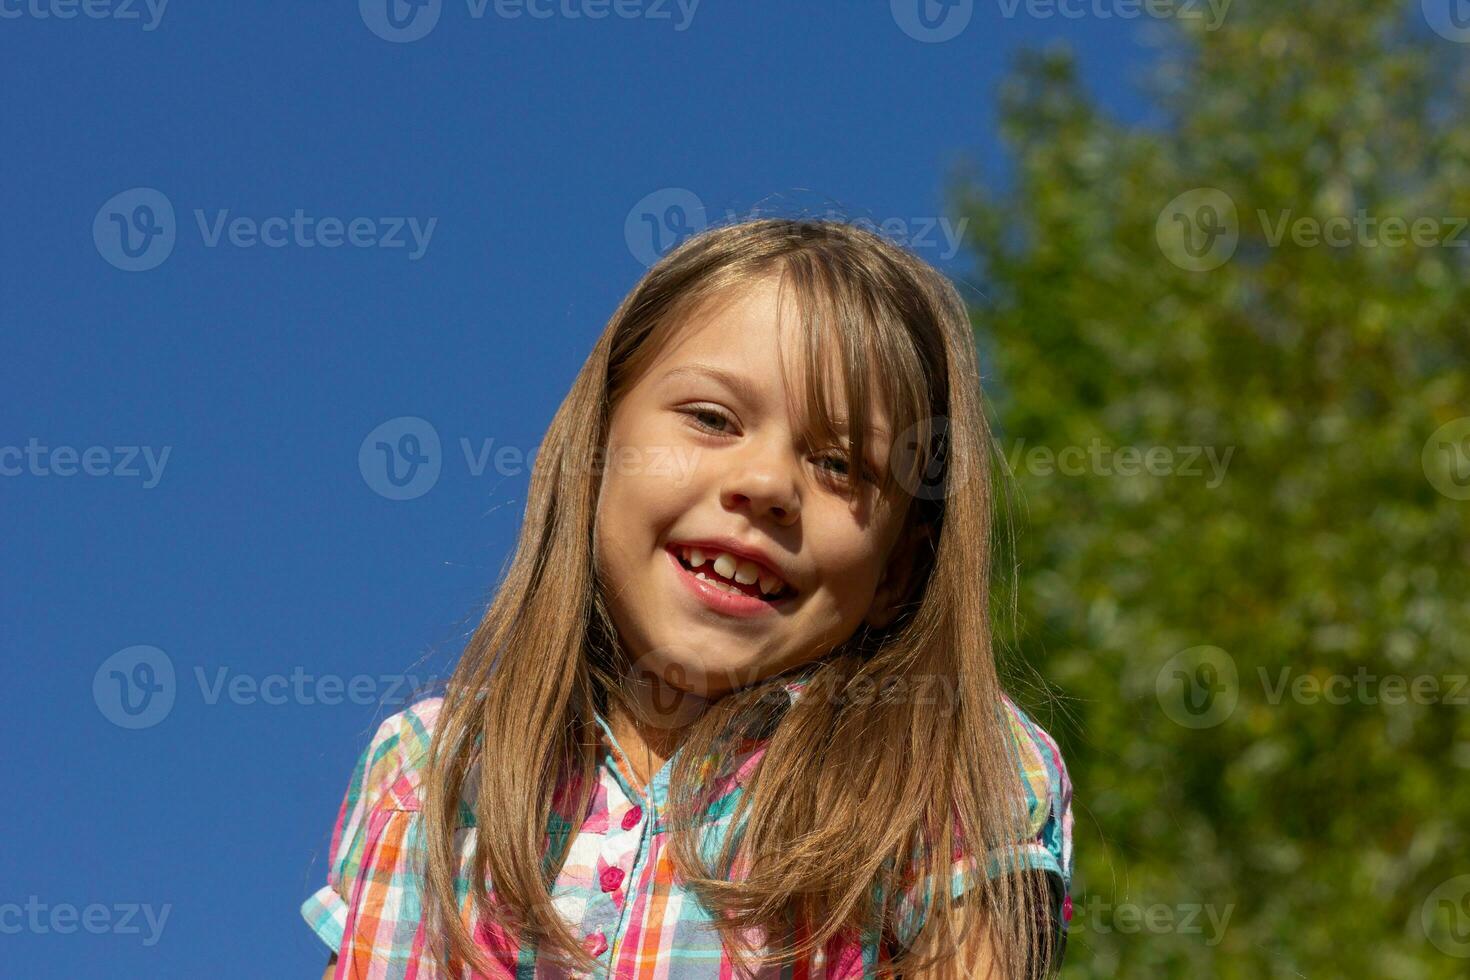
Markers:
point(733, 710)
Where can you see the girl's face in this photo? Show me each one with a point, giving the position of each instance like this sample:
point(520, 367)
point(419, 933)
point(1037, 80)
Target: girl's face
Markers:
point(695, 458)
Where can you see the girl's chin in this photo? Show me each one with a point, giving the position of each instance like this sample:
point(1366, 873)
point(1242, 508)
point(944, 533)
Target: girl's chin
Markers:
point(709, 676)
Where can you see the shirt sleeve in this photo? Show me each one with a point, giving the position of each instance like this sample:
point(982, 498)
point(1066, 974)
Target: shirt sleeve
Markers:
point(1045, 844)
point(373, 780)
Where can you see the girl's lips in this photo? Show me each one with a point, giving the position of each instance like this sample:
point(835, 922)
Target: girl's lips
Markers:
point(728, 603)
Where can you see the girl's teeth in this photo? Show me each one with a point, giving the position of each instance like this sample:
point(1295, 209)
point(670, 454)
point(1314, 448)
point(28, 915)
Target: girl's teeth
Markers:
point(729, 567)
point(722, 586)
point(725, 566)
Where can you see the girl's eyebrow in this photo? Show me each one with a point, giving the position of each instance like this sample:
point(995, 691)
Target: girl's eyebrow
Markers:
point(735, 382)
point(742, 387)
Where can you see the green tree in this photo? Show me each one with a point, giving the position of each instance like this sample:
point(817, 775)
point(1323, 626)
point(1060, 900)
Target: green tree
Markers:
point(1200, 622)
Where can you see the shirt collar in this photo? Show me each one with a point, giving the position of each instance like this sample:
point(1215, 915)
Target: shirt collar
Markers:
point(616, 763)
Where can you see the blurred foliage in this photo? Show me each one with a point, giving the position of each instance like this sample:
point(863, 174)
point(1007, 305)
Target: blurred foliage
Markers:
point(1321, 829)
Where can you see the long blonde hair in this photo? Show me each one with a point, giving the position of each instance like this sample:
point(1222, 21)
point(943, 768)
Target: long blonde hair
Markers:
point(838, 813)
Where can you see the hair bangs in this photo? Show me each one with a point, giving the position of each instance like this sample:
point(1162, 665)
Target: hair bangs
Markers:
point(855, 341)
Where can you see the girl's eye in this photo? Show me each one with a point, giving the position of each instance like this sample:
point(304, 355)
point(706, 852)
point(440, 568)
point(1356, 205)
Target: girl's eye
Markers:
point(867, 475)
point(698, 413)
point(839, 459)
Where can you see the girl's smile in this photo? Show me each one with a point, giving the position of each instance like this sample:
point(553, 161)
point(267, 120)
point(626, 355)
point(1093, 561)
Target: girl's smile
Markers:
point(707, 587)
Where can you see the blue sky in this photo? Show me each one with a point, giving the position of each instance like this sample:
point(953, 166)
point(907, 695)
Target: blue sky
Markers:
point(366, 229)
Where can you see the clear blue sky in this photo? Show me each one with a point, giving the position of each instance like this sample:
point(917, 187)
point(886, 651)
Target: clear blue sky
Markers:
point(263, 545)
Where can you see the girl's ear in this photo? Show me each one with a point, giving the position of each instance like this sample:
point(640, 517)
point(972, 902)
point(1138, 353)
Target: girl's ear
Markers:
point(897, 577)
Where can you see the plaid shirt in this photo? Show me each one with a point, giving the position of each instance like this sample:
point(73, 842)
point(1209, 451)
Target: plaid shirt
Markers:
point(617, 885)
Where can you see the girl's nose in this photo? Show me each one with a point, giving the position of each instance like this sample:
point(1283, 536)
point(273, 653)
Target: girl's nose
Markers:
point(766, 489)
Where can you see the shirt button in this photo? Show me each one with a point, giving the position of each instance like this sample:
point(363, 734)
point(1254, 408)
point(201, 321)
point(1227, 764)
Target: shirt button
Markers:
point(611, 879)
point(632, 817)
point(595, 943)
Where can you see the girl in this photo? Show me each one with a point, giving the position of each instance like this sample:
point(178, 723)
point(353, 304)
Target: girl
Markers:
point(733, 710)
